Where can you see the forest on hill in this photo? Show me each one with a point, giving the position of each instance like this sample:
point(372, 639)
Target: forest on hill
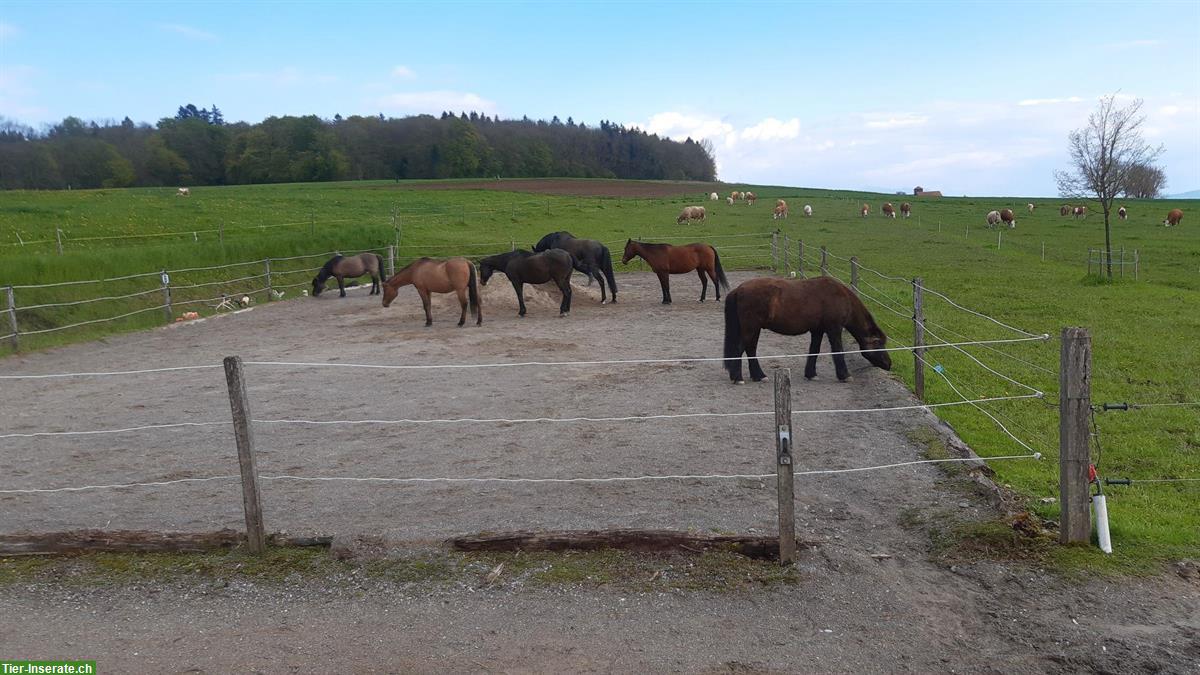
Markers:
point(198, 147)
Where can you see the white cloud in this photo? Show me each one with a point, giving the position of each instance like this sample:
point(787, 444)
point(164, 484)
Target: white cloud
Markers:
point(436, 102)
point(678, 125)
point(1049, 101)
point(187, 31)
point(403, 73)
point(894, 120)
point(771, 129)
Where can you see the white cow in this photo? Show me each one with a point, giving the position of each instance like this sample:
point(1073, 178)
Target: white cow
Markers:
point(713, 196)
point(729, 200)
point(993, 218)
point(807, 210)
point(183, 192)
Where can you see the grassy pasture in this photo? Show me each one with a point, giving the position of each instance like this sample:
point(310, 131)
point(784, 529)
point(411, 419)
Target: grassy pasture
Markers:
point(1144, 344)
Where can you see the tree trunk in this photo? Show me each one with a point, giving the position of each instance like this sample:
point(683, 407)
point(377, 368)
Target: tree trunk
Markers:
point(1108, 242)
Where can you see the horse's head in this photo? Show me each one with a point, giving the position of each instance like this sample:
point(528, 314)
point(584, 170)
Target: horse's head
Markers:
point(485, 271)
point(389, 294)
point(630, 252)
point(875, 340)
point(318, 285)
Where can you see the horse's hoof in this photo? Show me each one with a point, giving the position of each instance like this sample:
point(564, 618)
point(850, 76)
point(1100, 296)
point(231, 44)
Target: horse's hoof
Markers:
point(810, 377)
point(845, 379)
point(739, 382)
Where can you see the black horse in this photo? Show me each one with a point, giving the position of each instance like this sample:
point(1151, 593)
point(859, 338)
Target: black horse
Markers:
point(592, 258)
point(339, 268)
point(523, 267)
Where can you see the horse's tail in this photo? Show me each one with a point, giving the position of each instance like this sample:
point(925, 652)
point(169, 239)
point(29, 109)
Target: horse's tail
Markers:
point(733, 333)
point(607, 266)
point(720, 270)
point(473, 293)
point(379, 260)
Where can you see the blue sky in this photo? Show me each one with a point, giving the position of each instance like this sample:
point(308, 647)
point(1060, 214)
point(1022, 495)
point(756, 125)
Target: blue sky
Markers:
point(970, 98)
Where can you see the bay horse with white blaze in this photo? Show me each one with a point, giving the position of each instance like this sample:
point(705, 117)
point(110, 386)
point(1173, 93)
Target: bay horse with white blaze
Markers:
point(822, 306)
point(526, 267)
point(454, 275)
point(666, 260)
point(340, 267)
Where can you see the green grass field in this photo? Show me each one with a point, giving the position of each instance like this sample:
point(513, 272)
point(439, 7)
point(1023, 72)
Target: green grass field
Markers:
point(1144, 331)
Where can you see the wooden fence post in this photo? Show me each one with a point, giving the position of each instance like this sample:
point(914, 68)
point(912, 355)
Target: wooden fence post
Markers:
point(783, 466)
point(854, 273)
point(166, 289)
point(267, 264)
point(1136, 260)
point(221, 232)
point(391, 267)
point(787, 254)
point(919, 339)
point(775, 251)
point(312, 222)
point(58, 239)
point(800, 258)
point(239, 404)
point(824, 262)
point(12, 317)
point(1074, 408)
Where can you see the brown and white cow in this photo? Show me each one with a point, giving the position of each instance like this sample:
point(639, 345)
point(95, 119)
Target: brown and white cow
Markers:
point(865, 210)
point(690, 213)
point(733, 195)
point(1122, 213)
point(1009, 219)
point(1173, 217)
point(889, 211)
point(993, 218)
point(905, 209)
point(1031, 207)
point(780, 202)
point(183, 192)
point(750, 198)
point(781, 211)
point(1064, 211)
point(1081, 212)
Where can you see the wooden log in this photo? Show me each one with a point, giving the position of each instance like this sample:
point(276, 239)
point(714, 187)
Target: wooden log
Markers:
point(243, 432)
point(657, 541)
point(137, 541)
point(783, 467)
point(11, 302)
point(1074, 410)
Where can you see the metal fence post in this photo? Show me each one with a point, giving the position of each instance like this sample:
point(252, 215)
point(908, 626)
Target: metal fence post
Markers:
point(1074, 408)
point(783, 466)
point(166, 289)
point(239, 404)
point(918, 339)
point(12, 317)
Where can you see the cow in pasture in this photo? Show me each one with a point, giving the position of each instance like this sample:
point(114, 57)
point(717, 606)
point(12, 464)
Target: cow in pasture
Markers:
point(905, 209)
point(993, 218)
point(808, 210)
point(780, 202)
point(1031, 207)
point(865, 210)
point(1009, 219)
point(729, 200)
point(183, 192)
point(1173, 217)
point(741, 196)
point(750, 198)
point(1081, 212)
point(1122, 213)
point(781, 211)
point(690, 213)
point(733, 195)
point(712, 197)
point(1064, 211)
point(889, 211)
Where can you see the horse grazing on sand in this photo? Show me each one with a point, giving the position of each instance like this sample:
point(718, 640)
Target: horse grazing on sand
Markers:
point(592, 259)
point(339, 268)
point(525, 267)
point(666, 260)
point(822, 306)
point(454, 275)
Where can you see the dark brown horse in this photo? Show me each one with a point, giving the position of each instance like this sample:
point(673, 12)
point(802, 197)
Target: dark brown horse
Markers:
point(526, 267)
point(820, 306)
point(455, 275)
point(355, 266)
point(666, 260)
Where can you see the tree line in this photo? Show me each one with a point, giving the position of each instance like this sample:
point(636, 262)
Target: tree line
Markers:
point(198, 147)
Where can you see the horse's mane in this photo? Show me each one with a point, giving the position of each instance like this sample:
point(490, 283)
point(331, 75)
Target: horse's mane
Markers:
point(863, 315)
point(328, 268)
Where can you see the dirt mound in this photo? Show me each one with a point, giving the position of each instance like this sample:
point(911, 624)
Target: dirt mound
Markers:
point(571, 187)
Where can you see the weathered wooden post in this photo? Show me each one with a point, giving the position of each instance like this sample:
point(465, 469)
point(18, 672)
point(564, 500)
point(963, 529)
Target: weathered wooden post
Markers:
point(775, 251)
point(854, 273)
point(166, 289)
point(547, 207)
point(787, 254)
point(239, 404)
point(824, 262)
point(783, 466)
point(267, 265)
point(312, 222)
point(391, 267)
point(12, 317)
point(1043, 251)
point(800, 258)
point(58, 239)
point(1136, 260)
point(221, 231)
point(1074, 408)
point(919, 339)
point(999, 238)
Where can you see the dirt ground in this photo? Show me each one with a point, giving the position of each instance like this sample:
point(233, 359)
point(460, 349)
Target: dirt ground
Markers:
point(572, 188)
point(871, 599)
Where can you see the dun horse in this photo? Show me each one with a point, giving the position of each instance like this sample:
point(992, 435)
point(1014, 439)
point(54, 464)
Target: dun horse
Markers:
point(353, 267)
point(822, 306)
point(455, 275)
point(666, 260)
point(591, 258)
point(523, 267)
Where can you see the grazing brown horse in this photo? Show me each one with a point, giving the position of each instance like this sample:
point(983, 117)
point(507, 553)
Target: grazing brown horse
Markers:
point(666, 260)
point(353, 267)
point(822, 306)
point(455, 275)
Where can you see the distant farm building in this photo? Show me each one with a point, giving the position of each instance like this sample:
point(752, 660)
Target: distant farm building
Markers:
point(922, 192)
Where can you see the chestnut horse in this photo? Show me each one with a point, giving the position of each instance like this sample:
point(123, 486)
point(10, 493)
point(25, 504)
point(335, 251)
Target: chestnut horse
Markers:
point(353, 267)
point(666, 260)
point(454, 275)
point(822, 306)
